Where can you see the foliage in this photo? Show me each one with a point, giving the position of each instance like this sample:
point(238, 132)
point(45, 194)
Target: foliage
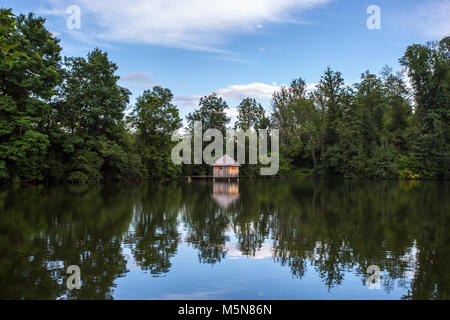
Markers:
point(429, 69)
point(66, 119)
point(251, 115)
point(27, 85)
point(155, 118)
point(211, 112)
point(8, 52)
point(406, 174)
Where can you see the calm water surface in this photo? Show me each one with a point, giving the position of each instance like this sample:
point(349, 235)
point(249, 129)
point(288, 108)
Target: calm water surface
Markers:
point(260, 239)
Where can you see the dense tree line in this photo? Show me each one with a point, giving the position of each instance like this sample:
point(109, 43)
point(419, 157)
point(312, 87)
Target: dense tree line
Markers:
point(65, 119)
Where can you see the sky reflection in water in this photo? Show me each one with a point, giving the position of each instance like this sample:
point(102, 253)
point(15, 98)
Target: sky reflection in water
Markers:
point(260, 239)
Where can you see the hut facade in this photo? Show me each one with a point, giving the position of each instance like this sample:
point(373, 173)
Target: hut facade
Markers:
point(226, 167)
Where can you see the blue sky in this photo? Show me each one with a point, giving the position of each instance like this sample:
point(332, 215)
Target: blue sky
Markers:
point(239, 48)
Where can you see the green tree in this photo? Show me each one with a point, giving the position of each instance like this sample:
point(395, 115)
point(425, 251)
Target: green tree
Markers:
point(212, 113)
point(89, 120)
point(308, 127)
point(398, 115)
point(155, 118)
point(26, 88)
point(282, 110)
point(429, 70)
point(370, 104)
point(8, 30)
point(251, 115)
point(330, 97)
point(285, 117)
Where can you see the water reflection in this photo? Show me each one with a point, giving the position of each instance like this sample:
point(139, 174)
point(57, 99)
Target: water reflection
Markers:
point(225, 193)
point(330, 228)
point(44, 231)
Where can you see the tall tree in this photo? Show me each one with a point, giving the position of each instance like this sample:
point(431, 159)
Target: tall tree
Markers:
point(331, 92)
point(282, 115)
point(212, 113)
point(8, 52)
point(155, 118)
point(90, 113)
point(398, 116)
point(429, 70)
point(370, 104)
point(251, 115)
point(26, 87)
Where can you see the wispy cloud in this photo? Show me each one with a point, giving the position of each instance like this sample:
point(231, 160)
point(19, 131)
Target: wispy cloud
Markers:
point(140, 77)
point(196, 24)
point(230, 59)
point(262, 92)
point(430, 18)
point(236, 92)
point(140, 80)
point(266, 251)
point(232, 112)
point(188, 101)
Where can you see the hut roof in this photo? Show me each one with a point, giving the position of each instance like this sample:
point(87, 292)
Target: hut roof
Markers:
point(226, 161)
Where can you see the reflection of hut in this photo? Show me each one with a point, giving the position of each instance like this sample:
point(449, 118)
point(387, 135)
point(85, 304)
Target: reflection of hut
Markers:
point(225, 167)
point(225, 194)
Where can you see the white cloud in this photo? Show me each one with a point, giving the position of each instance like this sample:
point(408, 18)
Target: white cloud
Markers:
point(242, 91)
point(311, 86)
point(140, 80)
point(236, 92)
point(255, 90)
point(266, 251)
point(262, 92)
point(431, 18)
point(189, 101)
point(232, 112)
point(139, 77)
point(195, 24)
point(230, 59)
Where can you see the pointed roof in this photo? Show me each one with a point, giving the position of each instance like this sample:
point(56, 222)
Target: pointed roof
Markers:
point(226, 161)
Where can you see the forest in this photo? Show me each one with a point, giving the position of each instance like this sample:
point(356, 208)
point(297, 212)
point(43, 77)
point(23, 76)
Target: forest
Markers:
point(66, 119)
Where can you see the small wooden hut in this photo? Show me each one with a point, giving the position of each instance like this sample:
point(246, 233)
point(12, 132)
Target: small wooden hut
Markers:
point(226, 167)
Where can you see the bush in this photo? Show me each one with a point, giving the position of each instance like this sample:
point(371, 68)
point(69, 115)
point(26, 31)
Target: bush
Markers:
point(406, 174)
point(382, 164)
point(86, 167)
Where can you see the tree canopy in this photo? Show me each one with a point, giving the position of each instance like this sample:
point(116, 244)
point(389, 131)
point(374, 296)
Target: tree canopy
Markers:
point(68, 119)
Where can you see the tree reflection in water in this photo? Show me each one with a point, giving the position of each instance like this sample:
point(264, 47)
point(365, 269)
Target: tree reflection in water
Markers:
point(332, 227)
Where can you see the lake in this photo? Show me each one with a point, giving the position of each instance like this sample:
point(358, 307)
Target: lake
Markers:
point(252, 239)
